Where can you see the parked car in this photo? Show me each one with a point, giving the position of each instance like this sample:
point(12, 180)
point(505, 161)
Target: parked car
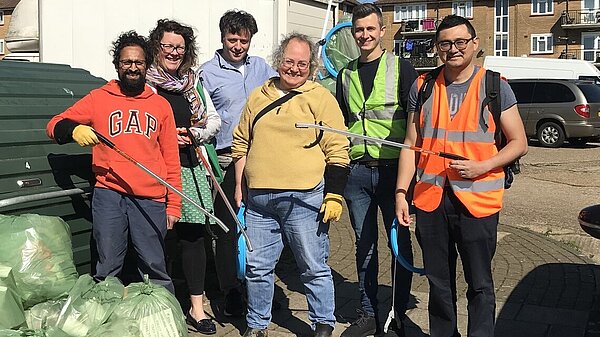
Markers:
point(589, 220)
point(557, 110)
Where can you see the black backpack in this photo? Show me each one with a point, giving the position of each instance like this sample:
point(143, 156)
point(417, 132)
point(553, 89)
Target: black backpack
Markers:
point(492, 100)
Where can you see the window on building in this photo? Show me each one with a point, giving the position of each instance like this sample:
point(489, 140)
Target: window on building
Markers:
point(410, 12)
point(501, 28)
point(541, 44)
point(1, 18)
point(591, 46)
point(1, 46)
point(541, 7)
point(463, 8)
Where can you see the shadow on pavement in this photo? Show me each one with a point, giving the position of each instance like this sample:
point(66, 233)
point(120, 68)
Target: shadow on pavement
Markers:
point(553, 299)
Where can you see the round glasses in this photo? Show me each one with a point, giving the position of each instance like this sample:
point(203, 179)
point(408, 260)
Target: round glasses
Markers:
point(460, 44)
point(302, 65)
point(168, 48)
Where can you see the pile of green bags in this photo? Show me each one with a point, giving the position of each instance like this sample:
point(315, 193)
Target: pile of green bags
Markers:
point(43, 279)
point(39, 250)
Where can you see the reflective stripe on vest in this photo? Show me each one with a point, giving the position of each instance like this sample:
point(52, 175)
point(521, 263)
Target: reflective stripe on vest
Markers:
point(380, 115)
point(469, 134)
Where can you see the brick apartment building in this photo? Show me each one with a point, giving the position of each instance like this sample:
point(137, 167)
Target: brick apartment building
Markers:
point(6, 9)
point(532, 28)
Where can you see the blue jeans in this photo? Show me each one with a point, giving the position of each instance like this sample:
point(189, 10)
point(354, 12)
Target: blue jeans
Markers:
point(369, 188)
point(271, 215)
point(117, 216)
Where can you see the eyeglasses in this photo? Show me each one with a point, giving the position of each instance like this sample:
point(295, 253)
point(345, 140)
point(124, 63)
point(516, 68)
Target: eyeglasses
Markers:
point(302, 65)
point(129, 63)
point(168, 48)
point(460, 44)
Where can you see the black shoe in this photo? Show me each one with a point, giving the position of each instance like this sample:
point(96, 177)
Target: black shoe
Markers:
point(203, 326)
point(364, 325)
point(323, 330)
point(396, 329)
point(235, 306)
point(250, 332)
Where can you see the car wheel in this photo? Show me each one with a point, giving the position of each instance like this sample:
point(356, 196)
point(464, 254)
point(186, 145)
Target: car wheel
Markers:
point(578, 142)
point(551, 134)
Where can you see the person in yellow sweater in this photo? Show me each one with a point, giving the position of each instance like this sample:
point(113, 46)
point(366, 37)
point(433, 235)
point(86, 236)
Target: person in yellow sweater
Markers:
point(291, 181)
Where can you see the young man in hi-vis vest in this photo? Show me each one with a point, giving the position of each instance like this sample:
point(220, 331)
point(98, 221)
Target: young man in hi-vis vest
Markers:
point(457, 201)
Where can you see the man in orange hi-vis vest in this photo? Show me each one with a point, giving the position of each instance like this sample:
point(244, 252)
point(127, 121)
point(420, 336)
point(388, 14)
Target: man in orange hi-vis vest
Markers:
point(457, 201)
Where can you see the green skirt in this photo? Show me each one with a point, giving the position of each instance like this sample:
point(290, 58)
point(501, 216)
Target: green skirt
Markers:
point(195, 185)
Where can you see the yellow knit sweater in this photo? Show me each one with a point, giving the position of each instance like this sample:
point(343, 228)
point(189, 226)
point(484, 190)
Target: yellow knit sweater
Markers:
point(276, 156)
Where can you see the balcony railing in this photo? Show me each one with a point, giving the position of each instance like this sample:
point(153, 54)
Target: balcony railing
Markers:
point(423, 62)
point(592, 55)
point(586, 17)
point(418, 25)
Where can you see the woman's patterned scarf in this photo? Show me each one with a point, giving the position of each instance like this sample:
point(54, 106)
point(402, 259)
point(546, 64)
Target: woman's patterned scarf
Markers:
point(158, 77)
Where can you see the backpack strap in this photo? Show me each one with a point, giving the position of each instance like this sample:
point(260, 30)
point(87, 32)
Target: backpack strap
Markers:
point(427, 87)
point(493, 101)
point(200, 89)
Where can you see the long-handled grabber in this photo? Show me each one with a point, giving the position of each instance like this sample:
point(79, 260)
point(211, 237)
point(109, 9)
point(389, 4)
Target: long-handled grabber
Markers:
point(381, 141)
point(110, 144)
point(219, 189)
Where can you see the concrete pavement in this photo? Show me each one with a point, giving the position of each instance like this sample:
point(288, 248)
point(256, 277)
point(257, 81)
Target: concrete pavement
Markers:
point(544, 288)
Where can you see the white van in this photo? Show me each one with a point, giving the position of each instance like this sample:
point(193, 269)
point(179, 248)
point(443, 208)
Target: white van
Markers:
point(546, 68)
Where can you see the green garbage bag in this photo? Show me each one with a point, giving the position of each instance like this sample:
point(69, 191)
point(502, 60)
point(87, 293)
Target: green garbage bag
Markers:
point(39, 250)
point(44, 312)
point(117, 328)
point(154, 308)
point(89, 304)
point(11, 308)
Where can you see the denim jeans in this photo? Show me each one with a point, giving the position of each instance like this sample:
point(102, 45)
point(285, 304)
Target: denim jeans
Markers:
point(117, 216)
point(369, 188)
point(271, 215)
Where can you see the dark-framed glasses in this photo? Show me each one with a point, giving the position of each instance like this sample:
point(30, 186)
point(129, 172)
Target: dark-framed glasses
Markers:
point(129, 63)
point(460, 44)
point(289, 63)
point(168, 48)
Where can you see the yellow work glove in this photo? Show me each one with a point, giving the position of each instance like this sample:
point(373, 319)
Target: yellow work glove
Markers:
point(84, 135)
point(331, 207)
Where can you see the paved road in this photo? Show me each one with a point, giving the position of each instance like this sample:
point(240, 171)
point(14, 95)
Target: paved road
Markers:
point(546, 282)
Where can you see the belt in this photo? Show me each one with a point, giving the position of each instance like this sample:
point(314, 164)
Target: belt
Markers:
point(378, 163)
point(225, 150)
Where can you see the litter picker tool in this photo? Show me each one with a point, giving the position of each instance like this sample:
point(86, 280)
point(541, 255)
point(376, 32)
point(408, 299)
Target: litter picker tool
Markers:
point(219, 189)
point(112, 145)
point(381, 141)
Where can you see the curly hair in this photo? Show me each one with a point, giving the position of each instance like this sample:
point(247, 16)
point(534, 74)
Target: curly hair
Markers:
point(277, 56)
point(128, 39)
point(170, 26)
point(235, 21)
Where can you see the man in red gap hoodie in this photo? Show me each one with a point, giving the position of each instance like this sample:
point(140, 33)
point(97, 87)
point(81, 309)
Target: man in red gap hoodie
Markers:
point(126, 200)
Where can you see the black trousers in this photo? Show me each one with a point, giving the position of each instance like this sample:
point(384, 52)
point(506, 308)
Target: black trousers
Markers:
point(444, 233)
point(190, 239)
point(226, 243)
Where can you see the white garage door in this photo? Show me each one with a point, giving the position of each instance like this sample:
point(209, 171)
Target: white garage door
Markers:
point(307, 16)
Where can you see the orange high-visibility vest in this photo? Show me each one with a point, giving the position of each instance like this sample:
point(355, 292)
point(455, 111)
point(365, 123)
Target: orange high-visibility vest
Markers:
point(469, 134)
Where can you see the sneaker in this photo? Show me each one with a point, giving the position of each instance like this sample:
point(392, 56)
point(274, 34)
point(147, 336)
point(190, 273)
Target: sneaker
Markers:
point(235, 306)
point(323, 330)
point(203, 326)
point(364, 325)
point(251, 332)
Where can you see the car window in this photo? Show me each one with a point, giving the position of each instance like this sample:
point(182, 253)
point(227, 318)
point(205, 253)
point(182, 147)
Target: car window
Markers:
point(547, 92)
point(522, 90)
point(591, 92)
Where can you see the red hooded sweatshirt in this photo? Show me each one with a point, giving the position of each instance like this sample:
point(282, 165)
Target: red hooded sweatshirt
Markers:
point(142, 126)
